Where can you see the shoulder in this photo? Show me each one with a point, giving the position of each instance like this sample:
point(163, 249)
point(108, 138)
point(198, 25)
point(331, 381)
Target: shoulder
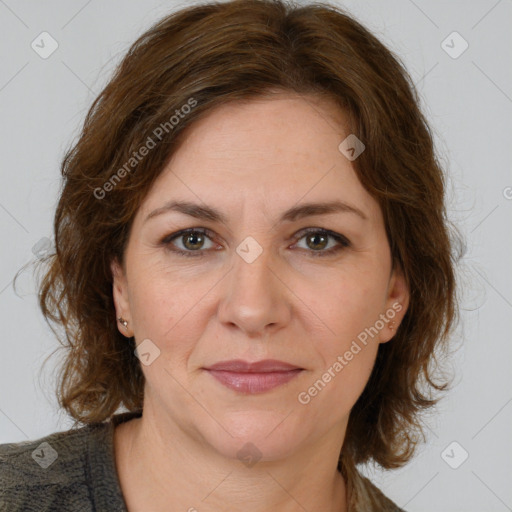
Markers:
point(363, 495)
point(56, 472)
point(372, 498)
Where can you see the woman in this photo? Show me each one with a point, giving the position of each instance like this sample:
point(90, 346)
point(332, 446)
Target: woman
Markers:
point(253, 260)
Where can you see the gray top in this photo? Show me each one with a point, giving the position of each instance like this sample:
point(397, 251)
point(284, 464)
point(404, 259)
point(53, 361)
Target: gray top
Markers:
point(75, 471)
point(65, 471)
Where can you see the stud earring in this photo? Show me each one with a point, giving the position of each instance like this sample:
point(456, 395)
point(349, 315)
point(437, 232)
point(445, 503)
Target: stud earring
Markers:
point(123, 321)
point(391, 324)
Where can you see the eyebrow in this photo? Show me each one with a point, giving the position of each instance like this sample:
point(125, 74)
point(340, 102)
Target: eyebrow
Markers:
point(297, 212)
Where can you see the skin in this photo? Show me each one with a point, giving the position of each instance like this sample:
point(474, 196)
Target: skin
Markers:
point(252, 161)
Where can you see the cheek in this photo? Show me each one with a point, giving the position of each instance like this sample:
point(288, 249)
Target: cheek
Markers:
point(352, 379)
point(172, 309)
point(350, 304)
point(339, 380)
point(162, 304)
point(346, 351)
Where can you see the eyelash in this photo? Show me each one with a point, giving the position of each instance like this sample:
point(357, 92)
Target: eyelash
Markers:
point(342, 241)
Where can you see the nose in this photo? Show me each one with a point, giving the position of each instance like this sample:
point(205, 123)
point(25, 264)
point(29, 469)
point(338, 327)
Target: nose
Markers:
point(255, 298)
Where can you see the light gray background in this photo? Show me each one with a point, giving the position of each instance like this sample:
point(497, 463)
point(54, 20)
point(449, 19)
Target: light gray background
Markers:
point(468, 101)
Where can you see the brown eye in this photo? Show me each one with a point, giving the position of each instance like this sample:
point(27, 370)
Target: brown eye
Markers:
point(318, 239)
point(189, 242)
point(193, 240)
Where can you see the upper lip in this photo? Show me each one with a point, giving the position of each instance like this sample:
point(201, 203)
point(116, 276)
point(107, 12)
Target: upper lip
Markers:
point(266, 365)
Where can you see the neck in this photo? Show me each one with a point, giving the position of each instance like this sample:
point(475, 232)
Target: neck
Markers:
point(159, 468)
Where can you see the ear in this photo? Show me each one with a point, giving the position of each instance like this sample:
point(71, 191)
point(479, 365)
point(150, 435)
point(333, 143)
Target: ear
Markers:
point(397, 302)
point(121, 300)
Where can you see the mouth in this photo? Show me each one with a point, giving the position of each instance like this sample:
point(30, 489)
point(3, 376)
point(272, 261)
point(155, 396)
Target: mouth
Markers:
point(253, 378)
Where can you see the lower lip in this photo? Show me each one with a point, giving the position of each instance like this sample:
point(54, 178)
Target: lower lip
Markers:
point(253, 382)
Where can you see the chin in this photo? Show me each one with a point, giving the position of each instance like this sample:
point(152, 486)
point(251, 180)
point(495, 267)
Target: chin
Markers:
point(261, 435)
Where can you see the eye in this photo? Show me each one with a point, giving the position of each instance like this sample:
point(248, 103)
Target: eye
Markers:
point(317, 240)
point(192, 240)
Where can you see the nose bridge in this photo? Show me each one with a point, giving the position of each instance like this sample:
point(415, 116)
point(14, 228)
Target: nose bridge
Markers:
point(253, 296)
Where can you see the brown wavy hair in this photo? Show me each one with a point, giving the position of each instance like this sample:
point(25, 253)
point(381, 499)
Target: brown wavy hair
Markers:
point(204, 56)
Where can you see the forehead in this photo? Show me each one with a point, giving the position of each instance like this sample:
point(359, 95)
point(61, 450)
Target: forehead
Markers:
point(270, 152)
point(268, 131)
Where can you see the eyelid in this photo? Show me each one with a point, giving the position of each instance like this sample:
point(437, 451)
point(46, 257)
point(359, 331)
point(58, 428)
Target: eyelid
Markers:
point(328, 232)
point(167, 240)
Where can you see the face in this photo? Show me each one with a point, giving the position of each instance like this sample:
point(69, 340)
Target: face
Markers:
point(262, 274)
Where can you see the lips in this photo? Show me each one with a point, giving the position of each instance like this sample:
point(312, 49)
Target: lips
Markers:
point(252, 378)
point(240, 366)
